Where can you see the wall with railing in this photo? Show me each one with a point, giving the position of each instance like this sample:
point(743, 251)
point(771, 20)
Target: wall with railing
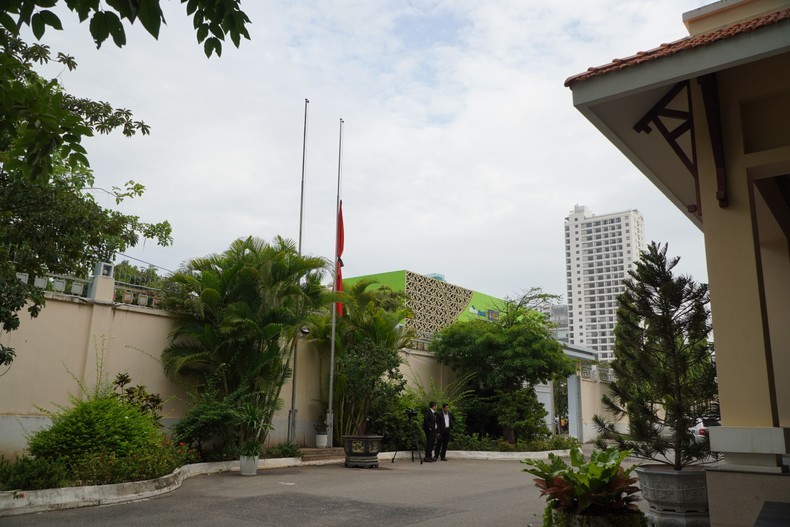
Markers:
point(103, 326)
point(115, 327)
point(81, 332)
point(595, 381)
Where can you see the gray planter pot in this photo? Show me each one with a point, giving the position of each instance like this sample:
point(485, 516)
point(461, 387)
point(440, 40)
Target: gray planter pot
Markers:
point(676, 497)
point(362, 451)
point(568, 519)
point(248, 465)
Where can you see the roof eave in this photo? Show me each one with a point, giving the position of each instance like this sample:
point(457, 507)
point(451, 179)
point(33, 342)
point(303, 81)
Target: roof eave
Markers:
point(592, 95)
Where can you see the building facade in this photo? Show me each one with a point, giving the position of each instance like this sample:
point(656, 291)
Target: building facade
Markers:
point(558, 316)
point(599, 252)
point(434, 302)
point(718, 105)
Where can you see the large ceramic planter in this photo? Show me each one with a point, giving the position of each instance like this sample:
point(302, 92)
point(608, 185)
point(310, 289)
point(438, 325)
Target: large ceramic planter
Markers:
point(362, 450)
point(677, 498)
point(321, 440)
point(567, 519)
point(248, 465)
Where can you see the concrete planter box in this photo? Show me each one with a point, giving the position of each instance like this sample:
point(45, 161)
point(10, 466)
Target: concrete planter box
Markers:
point(362, 451)
point(676, 497)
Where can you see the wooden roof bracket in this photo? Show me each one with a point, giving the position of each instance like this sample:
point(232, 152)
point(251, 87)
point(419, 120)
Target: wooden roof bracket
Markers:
point(686, 125)
point(710, 98)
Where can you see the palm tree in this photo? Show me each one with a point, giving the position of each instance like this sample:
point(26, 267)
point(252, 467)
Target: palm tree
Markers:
point(368, 338)
point(239, 313)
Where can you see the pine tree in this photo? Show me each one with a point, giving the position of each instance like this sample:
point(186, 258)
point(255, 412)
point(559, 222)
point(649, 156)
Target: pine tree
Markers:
point(664, 367)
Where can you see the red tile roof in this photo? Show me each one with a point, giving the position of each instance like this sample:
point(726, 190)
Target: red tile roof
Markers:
point(690, 42)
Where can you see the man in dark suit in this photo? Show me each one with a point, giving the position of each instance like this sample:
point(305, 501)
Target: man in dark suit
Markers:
point(445, 422)
point(429, 427)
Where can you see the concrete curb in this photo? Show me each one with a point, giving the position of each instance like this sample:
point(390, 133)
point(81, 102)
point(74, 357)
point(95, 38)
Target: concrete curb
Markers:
point(14, 502)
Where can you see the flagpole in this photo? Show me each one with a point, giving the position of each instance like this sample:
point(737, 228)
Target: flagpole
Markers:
point(330, 417)
point(293, 410)
point(301, 201)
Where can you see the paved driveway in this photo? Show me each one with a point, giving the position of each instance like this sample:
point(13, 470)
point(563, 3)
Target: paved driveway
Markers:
point(455, 493)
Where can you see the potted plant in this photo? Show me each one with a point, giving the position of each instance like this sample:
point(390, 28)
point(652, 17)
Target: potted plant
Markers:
point(249, 454)
point(367, 375)
point(320, 435)
point(370, 375)
point(251, 417)
point(665, 376)
point(594, 493)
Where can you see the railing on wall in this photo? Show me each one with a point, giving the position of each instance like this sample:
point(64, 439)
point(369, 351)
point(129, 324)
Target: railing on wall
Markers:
point(605, 374)
point(138, 295)
point(590, 372)
point(124, 293)
point(67, 285)
point(587, 372)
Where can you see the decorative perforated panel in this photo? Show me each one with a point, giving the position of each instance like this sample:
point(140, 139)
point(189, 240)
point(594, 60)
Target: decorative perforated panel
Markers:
point(435, 304)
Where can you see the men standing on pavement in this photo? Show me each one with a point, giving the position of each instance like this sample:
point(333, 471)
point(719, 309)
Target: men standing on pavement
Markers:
point(429, 427)
point(445, 422)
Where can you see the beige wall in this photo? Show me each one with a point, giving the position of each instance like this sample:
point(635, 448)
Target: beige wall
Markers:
point(71, 333)
point(63, 344)
point(751, 342)
point(420, 368)
point(749, 272)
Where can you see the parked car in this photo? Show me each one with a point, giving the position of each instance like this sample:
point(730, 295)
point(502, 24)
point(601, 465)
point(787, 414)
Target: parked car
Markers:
point(700, 429)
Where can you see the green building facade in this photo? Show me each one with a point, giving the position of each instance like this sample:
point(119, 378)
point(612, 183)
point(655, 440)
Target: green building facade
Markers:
point(435, 303)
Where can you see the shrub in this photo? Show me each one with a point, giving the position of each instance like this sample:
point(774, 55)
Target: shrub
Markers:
point(393, 423)
point(521, 411)
point(138, 396)
point(101, 468)
point(487, 443)
point(554, 442)
point(94, 468)
point(31, 473)
point(104, 424)
point(205, 427)
point(283, 450)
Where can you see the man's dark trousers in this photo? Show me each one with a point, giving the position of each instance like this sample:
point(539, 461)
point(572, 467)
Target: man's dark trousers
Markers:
point(443, 433)
point(429, 427)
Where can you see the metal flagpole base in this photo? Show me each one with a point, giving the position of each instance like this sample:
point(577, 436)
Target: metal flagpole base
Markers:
point(330, 425)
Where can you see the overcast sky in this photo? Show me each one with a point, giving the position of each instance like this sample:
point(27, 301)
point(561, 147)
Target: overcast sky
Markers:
point(462, 150)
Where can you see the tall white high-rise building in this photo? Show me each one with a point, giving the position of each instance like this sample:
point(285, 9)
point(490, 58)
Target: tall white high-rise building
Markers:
point(599, 252)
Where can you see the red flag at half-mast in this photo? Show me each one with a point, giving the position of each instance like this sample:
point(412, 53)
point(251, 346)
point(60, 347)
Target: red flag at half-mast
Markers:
point(339, 262)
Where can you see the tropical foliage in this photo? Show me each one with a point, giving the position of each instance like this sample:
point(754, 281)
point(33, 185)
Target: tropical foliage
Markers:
point(368, 338)
point(504, 359)
point(598, 487)
point(238, 315)
point(664, 368)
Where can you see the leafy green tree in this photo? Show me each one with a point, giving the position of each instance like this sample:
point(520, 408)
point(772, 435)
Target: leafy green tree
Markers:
point(665, 373)
point(368, 338)
point(238, 315)
point(504, 358)
point(212, 20)
point(371, 378)
point(131, 274)
point(48, 221)
point(521, 412)
point(54, 225)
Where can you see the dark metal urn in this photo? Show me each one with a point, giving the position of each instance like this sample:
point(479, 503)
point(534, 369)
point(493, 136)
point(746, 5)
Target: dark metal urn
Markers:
point(362, 451)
